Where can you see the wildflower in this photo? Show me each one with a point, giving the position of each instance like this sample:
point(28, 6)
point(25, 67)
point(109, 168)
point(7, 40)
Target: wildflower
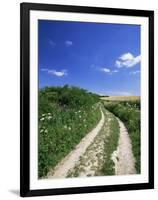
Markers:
point(79, 116)
point(43, 115)
point(46, 131)
point(49, 113)
point(42, 119)
point(69, 128)
point(65, 126)
point(49, 117)
point(41, 130)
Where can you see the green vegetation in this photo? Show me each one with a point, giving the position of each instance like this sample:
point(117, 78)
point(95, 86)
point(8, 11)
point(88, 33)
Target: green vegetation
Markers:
point(129, 113)
point(66, 114)
point(96, 161)
point(110, 145)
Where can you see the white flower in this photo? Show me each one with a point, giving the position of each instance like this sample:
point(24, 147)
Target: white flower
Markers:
point(46, 131)
point(65, 126)
point(69, 128)
point(41, 130)
point(79, 116)
point(79, 111)
point(42, 119)
point(49, 117)
point(49, 113)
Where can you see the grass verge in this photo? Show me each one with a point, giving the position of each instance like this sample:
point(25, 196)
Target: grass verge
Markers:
point(129, 113)
point(110, 144)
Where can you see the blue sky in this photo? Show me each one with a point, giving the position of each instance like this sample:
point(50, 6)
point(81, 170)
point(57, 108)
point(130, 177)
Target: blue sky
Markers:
point(102, 58)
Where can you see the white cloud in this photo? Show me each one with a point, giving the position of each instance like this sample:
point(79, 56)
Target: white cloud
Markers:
point(68, 43)
point(58, 73)
point(127, 60)
point(108, 71)
point(118, 63)
point(126, 56)
point(135, 72)
point(55, 72)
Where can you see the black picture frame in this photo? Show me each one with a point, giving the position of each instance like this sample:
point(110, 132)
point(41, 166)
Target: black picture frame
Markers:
point(25, 9)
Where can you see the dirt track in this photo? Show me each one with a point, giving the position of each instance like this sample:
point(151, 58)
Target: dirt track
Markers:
point(123, 156)
point(84, 159)
point(61, 170)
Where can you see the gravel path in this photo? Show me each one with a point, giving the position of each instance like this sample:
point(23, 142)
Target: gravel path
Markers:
point(123, 156)
point(68, 163)
point(91, 162)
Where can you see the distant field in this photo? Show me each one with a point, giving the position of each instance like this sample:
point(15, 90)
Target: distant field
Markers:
point(121, 98)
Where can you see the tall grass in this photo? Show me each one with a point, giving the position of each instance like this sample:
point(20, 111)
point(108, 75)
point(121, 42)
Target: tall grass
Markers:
point(66, 114)
point(129, 113)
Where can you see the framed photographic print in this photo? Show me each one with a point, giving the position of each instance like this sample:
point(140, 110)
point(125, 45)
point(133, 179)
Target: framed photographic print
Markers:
point(87, 99)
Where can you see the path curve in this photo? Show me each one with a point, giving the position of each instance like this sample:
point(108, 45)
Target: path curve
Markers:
point(61, 170)
point(123, 157)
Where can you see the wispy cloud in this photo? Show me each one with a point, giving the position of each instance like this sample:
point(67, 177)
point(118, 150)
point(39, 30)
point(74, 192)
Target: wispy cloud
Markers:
point(135, 72)
point(127, 60)
point(54, 72)
point(115, 71)
point(51, 42)
point(68, 43)
point(107, 70)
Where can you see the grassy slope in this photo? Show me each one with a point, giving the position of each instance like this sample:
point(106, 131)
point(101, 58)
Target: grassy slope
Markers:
point(65, 116)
